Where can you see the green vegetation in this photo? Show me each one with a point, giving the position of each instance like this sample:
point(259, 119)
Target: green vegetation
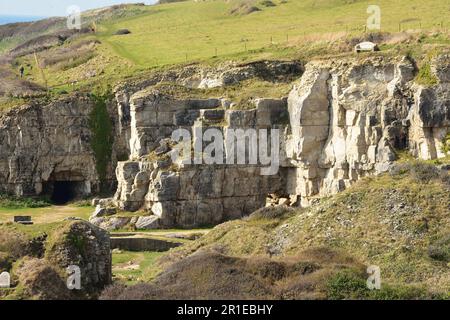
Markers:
point(102, 138)
point(446, 143)
point(49, 214)
point(398, 221)
point(172, 34)
point(350, 285)
point(37, 257)
point(133, 267)
point(425, 76)
point(167, 33)
point(11, 202)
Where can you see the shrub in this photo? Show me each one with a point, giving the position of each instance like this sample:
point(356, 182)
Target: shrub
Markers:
point(122, 32)
point(440, 249)
point(13, 243)
point(423, 172)
point(276, 212)
point(388, 292)
point(419, 171)
point(267, 3)
point(346, 284)
point(113, 291)
point(446, 143)
point(425, 76)
point(5, 262)
point(38, 279)
point(12, 202)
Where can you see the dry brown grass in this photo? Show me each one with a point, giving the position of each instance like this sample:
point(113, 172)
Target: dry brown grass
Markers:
point(13, 243)
point(209, 274)
point(38, 279)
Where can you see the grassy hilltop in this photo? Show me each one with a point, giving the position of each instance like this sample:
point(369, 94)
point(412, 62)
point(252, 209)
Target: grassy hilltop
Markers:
point(212, 31)
point(166, 33)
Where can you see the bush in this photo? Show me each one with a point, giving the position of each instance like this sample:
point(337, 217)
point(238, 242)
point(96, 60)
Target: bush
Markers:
point(440, 249)
point(13, 243)
point(113, 291)
point(141, 291)
point(425, 173)
point(38, 279)
point(425, 76)
point(122, 32)
point(276, 212)
point(267, 3)
point(446, 143)
point(419, 171)
point(5, 262)
point(346, 285)
point(398, 293)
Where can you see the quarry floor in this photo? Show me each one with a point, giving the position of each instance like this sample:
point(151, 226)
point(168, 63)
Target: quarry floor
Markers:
point(129, 267)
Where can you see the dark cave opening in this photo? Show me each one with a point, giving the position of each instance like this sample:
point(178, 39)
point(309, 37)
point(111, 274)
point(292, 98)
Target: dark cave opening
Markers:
point(63, 192)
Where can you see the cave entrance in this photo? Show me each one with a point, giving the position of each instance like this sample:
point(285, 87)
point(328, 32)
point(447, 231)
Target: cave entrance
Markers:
point(65, 186)
point(63, 191)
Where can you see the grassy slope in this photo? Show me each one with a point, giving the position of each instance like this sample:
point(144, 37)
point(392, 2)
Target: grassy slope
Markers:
point(189, 31)
point(168, 32)
point(389, 221)
point(132, 267)
point(46, 215)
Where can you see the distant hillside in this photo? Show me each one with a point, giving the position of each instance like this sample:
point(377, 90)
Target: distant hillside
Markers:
point(131, 40)
point(16, 33)
point(6, 19)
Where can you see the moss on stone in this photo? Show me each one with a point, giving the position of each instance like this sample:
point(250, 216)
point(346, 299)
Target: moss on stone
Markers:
point(102, 138)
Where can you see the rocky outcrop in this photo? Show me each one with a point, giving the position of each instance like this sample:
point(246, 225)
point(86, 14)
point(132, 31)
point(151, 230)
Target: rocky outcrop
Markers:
point(43, 145)
point(346, 123)
point(189, 195)
point(430, 116)
point(343, 120)
point(43, 265)
point(82, 244)
point(40, 144)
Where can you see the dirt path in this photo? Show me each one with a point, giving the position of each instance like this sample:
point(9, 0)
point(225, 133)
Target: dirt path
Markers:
point(47, 214)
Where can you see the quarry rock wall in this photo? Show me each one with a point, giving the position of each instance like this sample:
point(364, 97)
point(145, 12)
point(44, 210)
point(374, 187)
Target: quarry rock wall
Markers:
point(343, 119)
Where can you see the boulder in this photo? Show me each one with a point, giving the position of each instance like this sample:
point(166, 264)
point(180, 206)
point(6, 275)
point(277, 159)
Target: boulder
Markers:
point(147, 222)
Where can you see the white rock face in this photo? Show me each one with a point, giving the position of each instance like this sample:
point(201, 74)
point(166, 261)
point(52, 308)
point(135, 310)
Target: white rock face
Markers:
point(342, 120)
point(43, 144)
point(345, 119)
point(340, 117)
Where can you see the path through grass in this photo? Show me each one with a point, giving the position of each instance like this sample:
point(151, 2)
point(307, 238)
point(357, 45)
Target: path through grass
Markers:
point(47, 214)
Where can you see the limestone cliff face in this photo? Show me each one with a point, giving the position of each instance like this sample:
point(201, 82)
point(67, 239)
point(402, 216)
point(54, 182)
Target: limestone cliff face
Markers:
point(343, 120)
point(430, 114)
point(346, 118)
point(346, 121)
point(41, 145)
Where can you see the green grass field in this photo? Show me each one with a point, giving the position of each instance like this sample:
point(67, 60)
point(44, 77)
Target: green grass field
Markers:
point(47, 214)
point(185, 32)
point(169, 33)
point(132, 267)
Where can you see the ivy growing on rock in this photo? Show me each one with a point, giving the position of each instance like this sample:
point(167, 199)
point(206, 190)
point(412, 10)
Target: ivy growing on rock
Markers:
point(101, 128)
